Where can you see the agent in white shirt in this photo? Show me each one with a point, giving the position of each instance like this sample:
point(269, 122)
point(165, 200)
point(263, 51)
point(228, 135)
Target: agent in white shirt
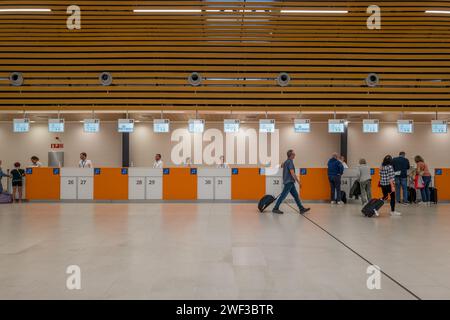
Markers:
point(84, 162)
point(35, 163)
point(158, 164)
point(187, 162)
point(222, 164)
point(344, 163)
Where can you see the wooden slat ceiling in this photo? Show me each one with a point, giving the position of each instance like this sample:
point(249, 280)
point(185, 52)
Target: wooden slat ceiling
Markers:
point(238, 52)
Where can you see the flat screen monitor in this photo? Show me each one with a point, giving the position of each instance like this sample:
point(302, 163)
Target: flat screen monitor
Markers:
point(91, 125)
point(125, 125)
point(56, 125)
point(21, 125)
point(231, 125)
point(336, 126)
point(161, 125)
point(370, 126)
point(267, 125)
point(196, 125)
point(405, 126)
point(439, 126)
point(302, 125)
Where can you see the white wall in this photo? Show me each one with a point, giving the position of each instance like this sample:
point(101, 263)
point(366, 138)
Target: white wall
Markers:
point(103, 148)
point(313, 149)
point(434, 148)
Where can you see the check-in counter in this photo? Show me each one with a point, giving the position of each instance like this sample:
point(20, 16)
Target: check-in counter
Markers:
point(145, 184)
point(179, 183)
point(214, 184)
point(247, 184)
point(274, 181)
point(442, 183)
point(315, 184)
point(77, 183)
point(43, 183)
point(110, 183)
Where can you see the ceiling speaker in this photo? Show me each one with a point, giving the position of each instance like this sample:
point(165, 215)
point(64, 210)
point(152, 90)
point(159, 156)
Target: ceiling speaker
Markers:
point(372, 80)
point(283, 79)
point(16, 78)
point(105, 78)
point(195, 79)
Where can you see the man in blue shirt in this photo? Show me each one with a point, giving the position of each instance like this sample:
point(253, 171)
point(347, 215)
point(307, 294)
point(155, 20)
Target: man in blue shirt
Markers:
point(289, 180)
point(401, 166)
point(335, 171)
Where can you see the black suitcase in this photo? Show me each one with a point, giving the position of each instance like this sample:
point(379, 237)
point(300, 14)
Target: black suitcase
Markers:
point(433, 195)
point(265, 201)
point(374, 204)
point(412, 196)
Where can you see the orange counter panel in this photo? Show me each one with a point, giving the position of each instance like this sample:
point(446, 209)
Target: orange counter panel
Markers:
point(110, 184)
point(43, 184)
point(179, 184)
point(247, 184)
point(442, 183)
point(315, 184)
point(376, 190)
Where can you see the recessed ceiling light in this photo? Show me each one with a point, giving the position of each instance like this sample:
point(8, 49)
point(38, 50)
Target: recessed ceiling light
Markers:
point(25, 10)
point(315, 11)
point(167, 10)
point(438, 11)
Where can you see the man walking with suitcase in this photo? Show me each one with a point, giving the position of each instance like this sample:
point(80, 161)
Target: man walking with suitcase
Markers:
point(289, 180)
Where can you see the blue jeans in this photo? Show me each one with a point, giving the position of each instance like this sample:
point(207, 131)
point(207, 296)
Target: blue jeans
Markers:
point(335, 186)
point(288, 188)
point(425, 192)
point(403, 184)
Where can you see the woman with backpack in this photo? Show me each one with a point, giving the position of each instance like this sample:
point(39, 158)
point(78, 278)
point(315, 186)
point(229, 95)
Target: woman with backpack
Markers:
point(17, 175)
point(387, 182)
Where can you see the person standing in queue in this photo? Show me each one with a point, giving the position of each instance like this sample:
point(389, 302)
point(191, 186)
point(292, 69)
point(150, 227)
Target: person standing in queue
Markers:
point(35, 163)
point(17, 175)
point(423, 171)
point(158, 164)
point(387, 183)
point(401, 166)
point(84, 162)
point(335, 171)
point(289, 180)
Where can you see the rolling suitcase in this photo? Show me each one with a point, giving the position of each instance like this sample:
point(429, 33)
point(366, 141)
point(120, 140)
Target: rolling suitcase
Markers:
point(374, 204)
point(433, 195)
point(265, 201)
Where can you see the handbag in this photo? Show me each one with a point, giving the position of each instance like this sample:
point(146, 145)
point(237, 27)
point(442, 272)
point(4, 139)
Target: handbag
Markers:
point(418, 182)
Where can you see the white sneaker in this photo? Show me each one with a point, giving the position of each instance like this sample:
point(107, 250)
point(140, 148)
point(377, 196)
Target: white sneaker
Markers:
point(376, 213)
point(333, 202)
point(340, 202)
point(395, 213)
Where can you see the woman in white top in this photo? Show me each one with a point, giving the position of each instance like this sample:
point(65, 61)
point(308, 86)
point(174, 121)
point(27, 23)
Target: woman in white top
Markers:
point(84, 162)
point(222, 164)
point(342, 160)
point(158, 164)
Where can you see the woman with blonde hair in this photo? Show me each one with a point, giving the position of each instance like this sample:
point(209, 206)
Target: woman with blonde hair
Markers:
point(422, 172)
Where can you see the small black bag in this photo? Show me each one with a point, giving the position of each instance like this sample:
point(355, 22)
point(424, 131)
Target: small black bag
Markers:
point(371, 206)
point(412, 196)
point(343, 197)
point(265, 201)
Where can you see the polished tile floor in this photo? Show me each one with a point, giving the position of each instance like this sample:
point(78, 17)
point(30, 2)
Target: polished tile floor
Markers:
point(221, 251)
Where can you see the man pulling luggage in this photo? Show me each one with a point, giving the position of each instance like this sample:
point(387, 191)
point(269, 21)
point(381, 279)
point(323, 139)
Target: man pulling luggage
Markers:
point(289, 180)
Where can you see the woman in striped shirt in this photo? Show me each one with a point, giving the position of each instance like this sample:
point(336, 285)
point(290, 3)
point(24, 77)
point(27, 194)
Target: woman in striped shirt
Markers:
point(387, 182)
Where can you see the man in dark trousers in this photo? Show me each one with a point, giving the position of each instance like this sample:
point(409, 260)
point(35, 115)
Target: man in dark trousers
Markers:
point(335, 171)
point(401, 166)
point(289, 180)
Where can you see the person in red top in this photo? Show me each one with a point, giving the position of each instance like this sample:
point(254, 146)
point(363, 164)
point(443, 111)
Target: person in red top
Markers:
point(423, 171)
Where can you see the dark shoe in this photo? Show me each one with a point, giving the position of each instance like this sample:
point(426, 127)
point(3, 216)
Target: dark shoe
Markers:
point(277, 211)
point(304, 210)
